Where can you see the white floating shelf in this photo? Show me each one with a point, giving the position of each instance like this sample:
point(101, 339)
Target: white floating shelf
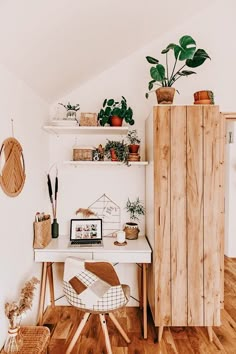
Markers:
point(102, 163)
point(57, 129)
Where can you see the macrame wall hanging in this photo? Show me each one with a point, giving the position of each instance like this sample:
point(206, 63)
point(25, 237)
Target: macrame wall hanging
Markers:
point(12, 166)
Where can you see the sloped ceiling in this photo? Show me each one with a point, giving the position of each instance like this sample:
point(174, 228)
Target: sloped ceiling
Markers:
point(56, 45)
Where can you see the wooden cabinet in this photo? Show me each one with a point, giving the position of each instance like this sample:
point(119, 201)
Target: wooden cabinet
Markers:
point(185, 214)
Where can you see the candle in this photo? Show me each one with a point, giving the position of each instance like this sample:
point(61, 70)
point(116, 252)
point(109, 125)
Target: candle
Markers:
point(121, 236)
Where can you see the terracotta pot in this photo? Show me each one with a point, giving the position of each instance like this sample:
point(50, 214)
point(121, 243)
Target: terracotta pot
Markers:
point(113, 155)
point(203, 102)
point(133, 148)
point(202, 95)
point(165, 95)
point(116, 121)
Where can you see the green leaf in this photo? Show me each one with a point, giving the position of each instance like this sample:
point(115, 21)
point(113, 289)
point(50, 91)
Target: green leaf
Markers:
point(170, 46)
point(104, 103)
point(198, 59)
point(158, 72)
point(186, 41)
point(101, 113)
point(150, 85)
point(107, 111)
point(186, 72)
point(104, 120)
point(110, 102)
point(186, 49)
point(146, 95)
point(177, 50)
point(116, 112)
point(152, 60)
point(124, 98)
point(129, 112)
point(131, 122)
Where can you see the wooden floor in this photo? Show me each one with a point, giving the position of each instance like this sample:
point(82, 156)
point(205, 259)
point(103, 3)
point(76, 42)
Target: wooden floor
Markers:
point(62, 322)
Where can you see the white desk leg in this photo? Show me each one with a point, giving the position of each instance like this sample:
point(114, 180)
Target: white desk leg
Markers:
point(42, 293)
point(144, 301)
point(51, 285)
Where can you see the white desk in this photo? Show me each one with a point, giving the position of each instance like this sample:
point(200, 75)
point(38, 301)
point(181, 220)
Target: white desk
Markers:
point(136, 251)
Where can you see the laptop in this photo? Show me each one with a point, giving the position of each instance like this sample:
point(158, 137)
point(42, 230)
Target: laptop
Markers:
point(86, 233)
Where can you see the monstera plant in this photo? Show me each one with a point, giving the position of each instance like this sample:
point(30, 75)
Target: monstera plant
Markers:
point(186, 58)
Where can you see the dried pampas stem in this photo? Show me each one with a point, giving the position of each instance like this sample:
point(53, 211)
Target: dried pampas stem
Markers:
point(85, 212)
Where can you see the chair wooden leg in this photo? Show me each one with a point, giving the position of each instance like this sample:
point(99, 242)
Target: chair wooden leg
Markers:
point(210, 333)
point(160, 332)
point(118, 326)
point(105, 331)
point(77, 333)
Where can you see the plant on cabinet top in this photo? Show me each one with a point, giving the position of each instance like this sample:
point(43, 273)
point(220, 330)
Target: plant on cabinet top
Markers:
point(112, 108)
point(184, 52)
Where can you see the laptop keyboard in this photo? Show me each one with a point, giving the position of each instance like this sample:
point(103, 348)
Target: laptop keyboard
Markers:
point(76, 242)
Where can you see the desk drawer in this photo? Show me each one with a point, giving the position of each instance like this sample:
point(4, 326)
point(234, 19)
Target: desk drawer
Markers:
point(60, 256)
point(125, 257)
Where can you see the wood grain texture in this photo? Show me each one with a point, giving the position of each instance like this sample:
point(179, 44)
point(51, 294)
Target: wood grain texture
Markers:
point(175, 340)
point(161, 263)
point(185, 282)
point(221, 226)
point(212, 244)
point(178, 217)
point(195, 214)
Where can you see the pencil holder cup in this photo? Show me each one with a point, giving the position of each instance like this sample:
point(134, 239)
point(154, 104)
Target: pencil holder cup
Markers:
point(55, 229)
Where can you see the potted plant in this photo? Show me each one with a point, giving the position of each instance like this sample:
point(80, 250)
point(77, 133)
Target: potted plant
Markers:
point(71, 110)
point(116, 151)
point(136, 209)
point(113, 112)
point(187, 54)
point(134, 141)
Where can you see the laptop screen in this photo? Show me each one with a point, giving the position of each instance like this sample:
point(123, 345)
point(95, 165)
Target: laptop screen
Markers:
point(86, 230)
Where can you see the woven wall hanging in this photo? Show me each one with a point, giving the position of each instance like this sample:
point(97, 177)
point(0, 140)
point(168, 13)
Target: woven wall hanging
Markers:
point(12, 170)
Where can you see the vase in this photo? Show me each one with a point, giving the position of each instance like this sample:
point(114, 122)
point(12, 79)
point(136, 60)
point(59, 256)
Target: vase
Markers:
point(14, 341)
point(116, 121)
point(165, 95)
point(55, 229)
point(71, 114)
point(131, 231)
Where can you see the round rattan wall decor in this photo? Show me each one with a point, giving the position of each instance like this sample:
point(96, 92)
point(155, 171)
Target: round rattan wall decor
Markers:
point(12, 167)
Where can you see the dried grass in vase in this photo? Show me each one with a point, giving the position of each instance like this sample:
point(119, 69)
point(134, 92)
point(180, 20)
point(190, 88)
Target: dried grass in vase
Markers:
point(15, 309)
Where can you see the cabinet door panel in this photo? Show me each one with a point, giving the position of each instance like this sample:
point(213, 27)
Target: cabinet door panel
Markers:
point(178, 217)
point(212, 244)
point(195, 214)
point(162, 215)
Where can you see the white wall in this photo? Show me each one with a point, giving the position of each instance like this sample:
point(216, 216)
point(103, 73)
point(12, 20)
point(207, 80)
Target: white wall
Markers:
point(213, 31)
point(17, 101)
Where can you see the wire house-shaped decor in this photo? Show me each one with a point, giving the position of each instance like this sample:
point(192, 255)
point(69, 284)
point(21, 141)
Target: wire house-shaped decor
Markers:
point(109, 212)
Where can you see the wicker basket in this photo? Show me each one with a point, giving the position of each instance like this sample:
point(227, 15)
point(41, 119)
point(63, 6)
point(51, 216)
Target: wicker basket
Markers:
point(131, 231)
point(35, 340)
point(83, 154)
point(88, 119)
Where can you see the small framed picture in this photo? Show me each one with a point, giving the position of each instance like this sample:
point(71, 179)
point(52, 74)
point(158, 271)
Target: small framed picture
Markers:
point(86, 229)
